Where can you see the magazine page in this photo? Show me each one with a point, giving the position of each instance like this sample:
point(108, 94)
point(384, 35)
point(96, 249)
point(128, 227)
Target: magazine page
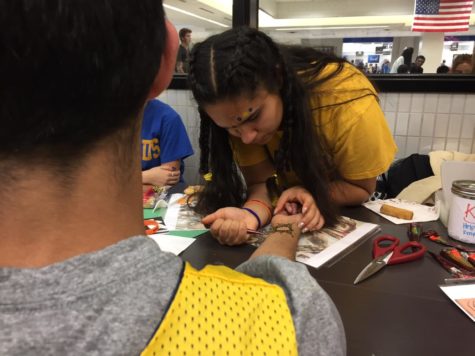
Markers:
point(319, 247)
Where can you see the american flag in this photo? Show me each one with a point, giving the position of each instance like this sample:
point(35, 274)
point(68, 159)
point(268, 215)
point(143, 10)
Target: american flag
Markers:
point(442, 15)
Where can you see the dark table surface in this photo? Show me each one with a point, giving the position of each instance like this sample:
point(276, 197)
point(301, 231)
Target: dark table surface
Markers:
point(399, 311)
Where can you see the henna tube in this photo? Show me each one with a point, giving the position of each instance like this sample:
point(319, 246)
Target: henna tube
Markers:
point(396, 212)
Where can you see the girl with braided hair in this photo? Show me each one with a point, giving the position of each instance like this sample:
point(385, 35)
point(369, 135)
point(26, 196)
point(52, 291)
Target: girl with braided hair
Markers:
point(282, 126)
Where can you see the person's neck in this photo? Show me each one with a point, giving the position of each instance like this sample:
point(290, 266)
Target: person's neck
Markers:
point(42, 223)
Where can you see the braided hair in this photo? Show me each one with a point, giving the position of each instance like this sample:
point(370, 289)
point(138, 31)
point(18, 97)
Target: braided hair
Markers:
point(236, 63)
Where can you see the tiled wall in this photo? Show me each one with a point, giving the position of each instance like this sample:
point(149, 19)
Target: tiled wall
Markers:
point(420, 123)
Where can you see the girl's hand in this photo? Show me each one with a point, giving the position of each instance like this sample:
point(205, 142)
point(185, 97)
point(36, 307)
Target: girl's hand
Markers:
point(299, 200)
point(229, 225)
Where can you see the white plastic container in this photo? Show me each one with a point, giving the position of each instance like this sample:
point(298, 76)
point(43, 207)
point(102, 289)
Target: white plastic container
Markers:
point(462, 211)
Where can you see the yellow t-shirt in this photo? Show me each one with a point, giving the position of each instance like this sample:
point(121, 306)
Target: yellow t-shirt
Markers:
point(350, 121)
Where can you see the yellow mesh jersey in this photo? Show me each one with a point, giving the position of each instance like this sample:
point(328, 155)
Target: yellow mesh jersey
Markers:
point(218, 311)
point(351, 122)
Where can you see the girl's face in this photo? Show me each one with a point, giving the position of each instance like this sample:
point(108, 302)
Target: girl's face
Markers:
point(254, 120)
point(463, 68)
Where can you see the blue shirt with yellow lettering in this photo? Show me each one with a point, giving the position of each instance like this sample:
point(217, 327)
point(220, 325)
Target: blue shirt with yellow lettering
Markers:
point(164, 137)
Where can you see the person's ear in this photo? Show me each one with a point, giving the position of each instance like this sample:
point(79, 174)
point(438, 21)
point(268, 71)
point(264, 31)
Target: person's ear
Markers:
point(167, 65)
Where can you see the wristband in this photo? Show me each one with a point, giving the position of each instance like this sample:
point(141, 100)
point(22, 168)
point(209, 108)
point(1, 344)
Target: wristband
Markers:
point(262, 204)
point(256, 216)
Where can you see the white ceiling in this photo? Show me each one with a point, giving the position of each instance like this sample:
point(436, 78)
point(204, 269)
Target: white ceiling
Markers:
point(331, 18)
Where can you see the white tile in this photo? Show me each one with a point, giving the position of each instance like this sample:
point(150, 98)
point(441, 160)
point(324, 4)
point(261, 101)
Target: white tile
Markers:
point(163, 96)
point(430, 102)
point(412, 145)
point(415, 124)
point(455, 125)
point(470, 104)
point(452, 144)
point(401, 145)
point(443, 104)
point(425, 145)
point(458, 103)
point(417, 104)
point(391, 102)
point(441, 124)
point(428, 123)
point(172, 97)
point(391, 120)
point(438, 144)
point(468, 126)
point(404, 104)
point(382, 100)
point(182, 97)
point(465, 146)
point(402, 122)
point(181, 110)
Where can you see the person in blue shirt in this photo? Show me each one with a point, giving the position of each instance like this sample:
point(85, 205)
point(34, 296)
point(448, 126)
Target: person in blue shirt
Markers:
point(165, 144)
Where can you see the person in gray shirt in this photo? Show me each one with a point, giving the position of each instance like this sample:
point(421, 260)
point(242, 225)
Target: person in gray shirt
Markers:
point(77, 274)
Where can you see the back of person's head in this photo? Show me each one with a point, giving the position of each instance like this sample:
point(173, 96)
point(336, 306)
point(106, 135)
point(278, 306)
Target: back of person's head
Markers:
point(442, 69)
point(183, 32)
point(73, 73)
point(462, 64)
point(403, 68)
point(415, 69)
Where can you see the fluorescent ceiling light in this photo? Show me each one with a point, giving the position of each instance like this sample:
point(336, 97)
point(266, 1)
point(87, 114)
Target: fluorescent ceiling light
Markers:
point(225, 6)
point(193, 15)
point(326, 28)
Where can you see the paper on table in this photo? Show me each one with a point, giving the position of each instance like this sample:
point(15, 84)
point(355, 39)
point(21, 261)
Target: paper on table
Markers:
point(181, 217)
point(463, 296)
point(173, 244)
point(421, 212)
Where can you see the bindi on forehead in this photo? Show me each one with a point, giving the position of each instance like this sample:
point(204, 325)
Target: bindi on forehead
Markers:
point(245, 115)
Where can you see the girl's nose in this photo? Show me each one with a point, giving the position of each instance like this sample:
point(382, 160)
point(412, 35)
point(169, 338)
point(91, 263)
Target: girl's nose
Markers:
point(247, 134)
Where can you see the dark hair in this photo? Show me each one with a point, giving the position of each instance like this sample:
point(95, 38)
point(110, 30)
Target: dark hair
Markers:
point(415, 69)
point(73, 73)
point(183, 32)
point(421, 57)
point(407, 54)
point(403, 68)
point(236, 63)
point(442, 69)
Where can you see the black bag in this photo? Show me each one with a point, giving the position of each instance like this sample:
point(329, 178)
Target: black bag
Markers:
point(402, 173)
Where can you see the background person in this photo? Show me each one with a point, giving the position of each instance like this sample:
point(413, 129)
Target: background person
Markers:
point(78, 276)
point(462, 64)
point(183, 56)
point(165, 144)
point(416, 67)
point(404, 58)
point(297, 123)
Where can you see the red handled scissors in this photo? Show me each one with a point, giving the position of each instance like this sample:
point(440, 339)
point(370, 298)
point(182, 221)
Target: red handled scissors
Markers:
point(386, 251)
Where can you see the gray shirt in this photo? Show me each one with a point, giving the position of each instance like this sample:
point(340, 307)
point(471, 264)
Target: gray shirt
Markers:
point(111, 302)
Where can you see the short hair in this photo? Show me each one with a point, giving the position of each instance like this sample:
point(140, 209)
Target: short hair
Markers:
point(402, 69)
point(442, 69)
point(421, 57)
point(74, 72)
point(183, 32)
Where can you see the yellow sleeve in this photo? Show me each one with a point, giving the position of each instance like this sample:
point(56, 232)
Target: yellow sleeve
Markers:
point(359, 137)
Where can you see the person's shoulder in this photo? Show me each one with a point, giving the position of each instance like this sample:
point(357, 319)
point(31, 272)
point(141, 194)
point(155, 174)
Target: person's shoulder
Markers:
point(343, 77)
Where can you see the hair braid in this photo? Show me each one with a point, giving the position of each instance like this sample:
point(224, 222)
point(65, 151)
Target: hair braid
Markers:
point(204, 142)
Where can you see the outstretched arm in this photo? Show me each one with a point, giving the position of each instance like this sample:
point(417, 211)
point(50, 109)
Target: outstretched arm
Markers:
point(283, 238)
